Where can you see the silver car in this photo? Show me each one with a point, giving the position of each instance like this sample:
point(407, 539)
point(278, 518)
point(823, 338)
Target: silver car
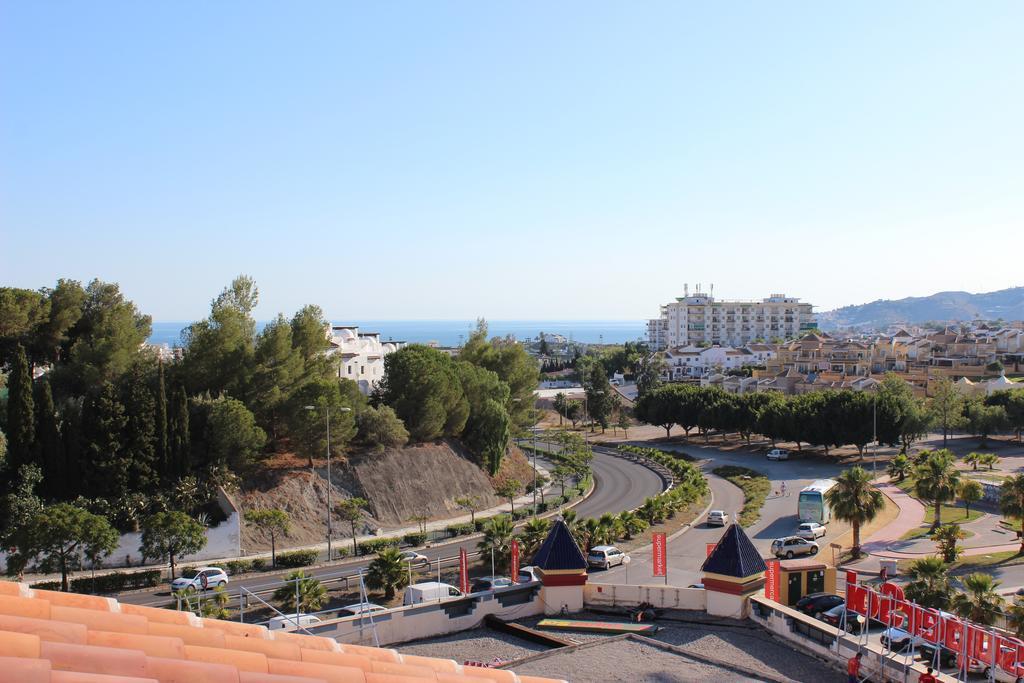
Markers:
point(791, 546)
point(717, 518)
point(605, 556)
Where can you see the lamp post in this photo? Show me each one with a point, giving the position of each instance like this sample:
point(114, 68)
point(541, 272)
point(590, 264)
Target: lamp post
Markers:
point(327, 415)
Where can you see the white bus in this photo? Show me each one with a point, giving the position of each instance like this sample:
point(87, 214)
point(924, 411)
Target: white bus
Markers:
point(812, 506)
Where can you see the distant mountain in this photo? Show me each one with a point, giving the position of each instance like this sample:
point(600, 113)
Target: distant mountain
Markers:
point(1007, 304)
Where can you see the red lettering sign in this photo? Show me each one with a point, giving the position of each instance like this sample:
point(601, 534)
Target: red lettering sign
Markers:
point(771, 580)
point(660, 566)
point(515, 561)
point(463, 571)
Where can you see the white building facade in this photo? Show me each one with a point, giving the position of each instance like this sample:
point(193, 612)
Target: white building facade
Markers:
point(361, 355)
point(701, 319)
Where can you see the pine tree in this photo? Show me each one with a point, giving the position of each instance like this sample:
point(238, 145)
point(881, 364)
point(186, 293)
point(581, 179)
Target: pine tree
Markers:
point(162, 446)
point(49, 448)
point(20, 412)
point(179, 443)
point(104, 469)
point(72, 484)
point(140, 435)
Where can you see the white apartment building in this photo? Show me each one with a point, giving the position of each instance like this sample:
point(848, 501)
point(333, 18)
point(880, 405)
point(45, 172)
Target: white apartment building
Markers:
point(361, 355)
point(694, 361)
point(700, 318)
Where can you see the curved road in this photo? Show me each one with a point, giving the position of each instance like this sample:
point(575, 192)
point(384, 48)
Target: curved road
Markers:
point(619, 484)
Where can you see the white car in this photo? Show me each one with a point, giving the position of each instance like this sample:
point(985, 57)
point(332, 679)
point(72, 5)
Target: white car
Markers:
point(718, 518)
point(605, 556)
point(413, 557)
point(203, 578)
point(777, 454)
point(810, 531)
point(528, 574)
point(792, 546)
point(361, 608)
point(292, 622)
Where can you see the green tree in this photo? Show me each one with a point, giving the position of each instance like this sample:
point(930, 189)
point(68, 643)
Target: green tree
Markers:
point(487, 428)
point(601, 399)
point(21, 424)
point(387, 572)
point(623, 422)
point(18, 509)
point(559, 404)
point(946, 537)
point(22, 312)
point(380, 428)
point(352, 510)
point(163, 457)
point(60, 534)
point(609, 529)
point(50, 450)
point(990, 460)
point(273, 521)
point(970, 492)
point(1015, 617)
point(103, 426)
point(139, 436)
point(232, 436)
point(509, 489)
point(946, 407)
point(1011, 501)
point(279, 369)
point(52, 338)
point(650, 373)
point(470, 504)
point(422, 385)
point(984, 420)
point(301, 594)
point(179, 440)
point(936, 480)
point(310, 333)
point(534, 532)
point(514, 366)
point(980, 601)
point(929, 583)
point(498, 534)
point(167, 536)
point(855, 500)
point(899, 467)
point(632, 524)
point(973, 459)
point(659, 407)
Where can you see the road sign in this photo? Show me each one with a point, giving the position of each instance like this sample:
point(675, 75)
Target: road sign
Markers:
point(835, 546)
point(772, 580)
point(660, 567)
point(515, 561)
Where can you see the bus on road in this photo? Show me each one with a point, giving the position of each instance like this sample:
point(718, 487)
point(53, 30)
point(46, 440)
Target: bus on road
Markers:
point(811, 505)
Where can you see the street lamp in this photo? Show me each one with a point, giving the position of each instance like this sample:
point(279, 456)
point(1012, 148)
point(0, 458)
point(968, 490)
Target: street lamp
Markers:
point(327, 414)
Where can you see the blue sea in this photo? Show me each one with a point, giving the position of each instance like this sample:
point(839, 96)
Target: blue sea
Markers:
point(455, 332)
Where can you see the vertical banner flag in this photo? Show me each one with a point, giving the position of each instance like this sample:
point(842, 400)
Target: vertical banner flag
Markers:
point(660, 560)
point(851, 577)
point(772, 580)
point(463, 572)
point(709, 548)
point(515, 561)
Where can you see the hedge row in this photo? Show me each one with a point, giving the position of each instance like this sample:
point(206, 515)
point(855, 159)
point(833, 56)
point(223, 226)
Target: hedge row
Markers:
point(115, 582)
point(297, 558)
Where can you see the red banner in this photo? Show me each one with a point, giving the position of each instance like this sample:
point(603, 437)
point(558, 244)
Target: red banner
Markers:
point(851, 576)
point(515, 561)
point(709, 548)
point(463, 572)
point(772, 580)
point(660, 560)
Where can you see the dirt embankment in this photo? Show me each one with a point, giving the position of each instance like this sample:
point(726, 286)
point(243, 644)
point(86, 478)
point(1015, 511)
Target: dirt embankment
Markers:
point(421, 479)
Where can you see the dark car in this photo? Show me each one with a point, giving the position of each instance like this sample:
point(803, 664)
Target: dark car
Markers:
point(854, 623)
point(898, 640)
point(816, 603)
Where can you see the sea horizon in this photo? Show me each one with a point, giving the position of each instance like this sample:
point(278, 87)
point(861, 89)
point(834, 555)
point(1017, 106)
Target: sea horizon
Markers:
point(454, 332)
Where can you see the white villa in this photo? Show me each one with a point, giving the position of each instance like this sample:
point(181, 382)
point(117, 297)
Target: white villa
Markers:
point(362, 355)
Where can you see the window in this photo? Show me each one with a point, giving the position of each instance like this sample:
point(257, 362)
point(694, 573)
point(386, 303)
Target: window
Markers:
point(362, 369)
point(350, 369)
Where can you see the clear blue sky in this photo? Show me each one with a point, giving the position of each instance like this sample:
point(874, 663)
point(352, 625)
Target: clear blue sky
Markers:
point(511, 160)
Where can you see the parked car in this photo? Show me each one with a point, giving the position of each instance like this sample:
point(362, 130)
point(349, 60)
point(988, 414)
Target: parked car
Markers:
point(818, 603)
point(200, 579)
point(984, 669)
point(811, 530)
point(718, 518)
point(696, 585)
point(414, 558)
point(898, 640)
point(429, 591)
point(605, 556)
point(489, 583)
point(777, 454)
point(360, 608)
point(854, 622)
point(528, 574)
point(292, 622)
point(791, 546)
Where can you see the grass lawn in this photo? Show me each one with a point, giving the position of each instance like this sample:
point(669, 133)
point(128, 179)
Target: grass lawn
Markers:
point(950, 515)
point(755, 486)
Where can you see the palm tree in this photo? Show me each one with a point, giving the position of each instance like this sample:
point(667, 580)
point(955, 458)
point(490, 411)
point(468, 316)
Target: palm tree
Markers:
point(1015, 617)
point(990, 459)
point(1011, 501)
point(498, 534)
point(610, 530)
point(300, 593)
point(899, 467)
point(632, 524)
point(929, 583)
point(388, 572)
point(945, 538)
point(853, 499)
point(970, 491)
point(534, 532)
point(980, 602)
point(936, 480)
point(973, 459)
point(589, 531)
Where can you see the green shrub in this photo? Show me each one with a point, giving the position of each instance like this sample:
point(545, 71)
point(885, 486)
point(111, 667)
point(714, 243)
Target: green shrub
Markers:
point(297, 558)
point(478, 525)
point(460, 529)
point(47, 585)
point(238, 566)
point(377, 544)
point(114, 582)
point(342, 552)
point(259, 564)
point(414, 539)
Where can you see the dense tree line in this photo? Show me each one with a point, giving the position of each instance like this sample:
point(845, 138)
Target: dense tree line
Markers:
point(831, 418)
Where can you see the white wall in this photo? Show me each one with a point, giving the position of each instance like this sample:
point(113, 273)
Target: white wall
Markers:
point(668, 597)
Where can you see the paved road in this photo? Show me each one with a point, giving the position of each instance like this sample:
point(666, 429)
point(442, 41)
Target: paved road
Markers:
point(619, 484)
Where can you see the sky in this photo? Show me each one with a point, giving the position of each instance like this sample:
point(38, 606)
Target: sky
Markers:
point(529, 160)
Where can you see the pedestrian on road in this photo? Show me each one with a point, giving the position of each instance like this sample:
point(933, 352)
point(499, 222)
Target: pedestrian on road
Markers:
point(927, 677)
point(853, 669)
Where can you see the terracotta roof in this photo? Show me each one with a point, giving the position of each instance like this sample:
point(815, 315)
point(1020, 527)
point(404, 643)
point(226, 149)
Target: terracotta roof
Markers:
point(734, 555)
point(559, 550)
point(51, 637)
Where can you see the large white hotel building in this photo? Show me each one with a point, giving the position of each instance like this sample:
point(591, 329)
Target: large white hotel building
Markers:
point(698, 318)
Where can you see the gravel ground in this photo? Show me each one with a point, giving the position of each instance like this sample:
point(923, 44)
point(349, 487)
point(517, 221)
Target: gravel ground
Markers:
point(479, 644)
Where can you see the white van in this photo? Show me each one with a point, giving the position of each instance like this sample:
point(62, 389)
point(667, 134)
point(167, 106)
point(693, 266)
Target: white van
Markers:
point(429, 591)
point(292, 622)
